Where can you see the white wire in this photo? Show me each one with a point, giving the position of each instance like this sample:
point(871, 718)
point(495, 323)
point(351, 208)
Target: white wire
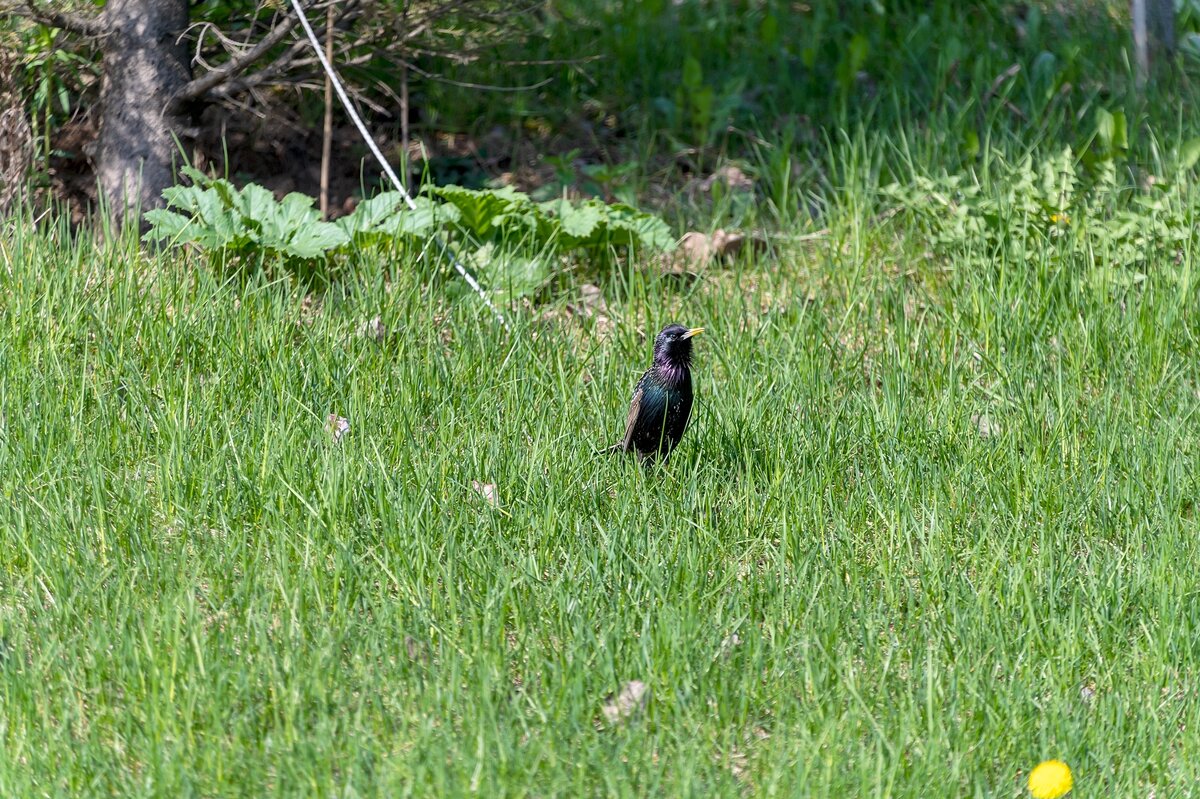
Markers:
point(387, 168)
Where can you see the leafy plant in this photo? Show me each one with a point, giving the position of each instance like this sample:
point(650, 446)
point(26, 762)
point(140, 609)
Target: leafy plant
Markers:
point(610, 180)
point(606, 181)
point(698, 110)
point(1187, 27)
point(245, 223)
point(250, 227)
point(54, 75)
point(509, 216)
point(1054, 208)
point(385, 217)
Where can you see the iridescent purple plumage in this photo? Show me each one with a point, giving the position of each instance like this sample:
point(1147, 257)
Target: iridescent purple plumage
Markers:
point(662, 400)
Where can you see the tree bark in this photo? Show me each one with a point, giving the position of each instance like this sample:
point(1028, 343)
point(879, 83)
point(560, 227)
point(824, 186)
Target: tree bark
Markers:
point(1153, 36)
point(145, 65)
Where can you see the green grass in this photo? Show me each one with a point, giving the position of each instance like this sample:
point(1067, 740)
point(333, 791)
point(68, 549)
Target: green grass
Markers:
point(934, 521)
point(202, 595)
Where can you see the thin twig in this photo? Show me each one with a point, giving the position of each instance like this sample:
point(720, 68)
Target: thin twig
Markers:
point(236, 65)
point(1007, 74)
point(286, 60)
point(327, 131)
point(93, 27)
point(481, 86)
point(383, 162)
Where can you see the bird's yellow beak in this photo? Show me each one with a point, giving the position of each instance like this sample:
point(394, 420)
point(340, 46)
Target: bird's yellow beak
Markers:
point(695, 331)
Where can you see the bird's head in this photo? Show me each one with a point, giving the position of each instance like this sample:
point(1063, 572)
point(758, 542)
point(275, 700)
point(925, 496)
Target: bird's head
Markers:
point(673, 347)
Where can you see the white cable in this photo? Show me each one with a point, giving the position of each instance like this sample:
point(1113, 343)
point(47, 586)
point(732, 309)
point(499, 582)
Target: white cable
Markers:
point(387, 168)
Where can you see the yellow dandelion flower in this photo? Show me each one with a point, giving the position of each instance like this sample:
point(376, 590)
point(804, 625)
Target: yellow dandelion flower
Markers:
point(1060, 219)
point(1050, 780)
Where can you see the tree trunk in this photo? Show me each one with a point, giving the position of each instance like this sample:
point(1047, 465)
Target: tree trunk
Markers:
point(145, 65)
point(1153, 35)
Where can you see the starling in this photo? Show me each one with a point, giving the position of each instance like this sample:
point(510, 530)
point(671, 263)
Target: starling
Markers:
point(662, 400)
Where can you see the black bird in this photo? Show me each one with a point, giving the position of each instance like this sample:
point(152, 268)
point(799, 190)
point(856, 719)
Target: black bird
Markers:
point(662, 400)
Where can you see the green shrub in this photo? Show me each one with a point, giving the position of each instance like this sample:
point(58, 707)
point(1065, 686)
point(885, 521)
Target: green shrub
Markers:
point(249, 228)
point(1058, 209)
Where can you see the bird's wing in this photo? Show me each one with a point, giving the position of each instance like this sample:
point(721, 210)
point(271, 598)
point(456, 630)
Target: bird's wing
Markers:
point(635, 405)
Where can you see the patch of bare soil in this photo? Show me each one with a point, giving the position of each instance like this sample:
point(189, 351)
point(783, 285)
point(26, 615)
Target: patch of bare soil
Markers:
point(280, 148)
point(277, 148)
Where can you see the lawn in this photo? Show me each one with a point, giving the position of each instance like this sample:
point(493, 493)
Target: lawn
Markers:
point(932, 523)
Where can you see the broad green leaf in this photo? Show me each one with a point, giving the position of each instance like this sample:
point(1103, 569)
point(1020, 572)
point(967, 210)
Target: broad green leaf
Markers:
point(644, 230)
point(422, 221)
point(258, 208)
point(858, 50)
point(577, 221)
point(297, 209)
point(1106, 127)
point(224, 191)
point(1120, 135)
point(190, 198)
point(176, 196)
point(518, 276)
point(768, 30)
point(221, 223)
point(370, 213)
point(166, 224)
point(194, 175)
point(294, 212)
point(316, 240)
point(1189, 153)
point(479, 209)
point(518, 222)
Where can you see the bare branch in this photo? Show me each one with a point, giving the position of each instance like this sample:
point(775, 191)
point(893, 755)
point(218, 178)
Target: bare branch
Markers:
point(412, 41)
point(481, 86)
point(287, 60)
point(236, 65)
point(78, 24)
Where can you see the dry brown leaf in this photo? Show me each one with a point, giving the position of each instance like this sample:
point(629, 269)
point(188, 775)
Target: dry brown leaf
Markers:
point(727, 243)
point(984, 424)
point(337, 426)
point(592, 299)
point(374, 329)
point(738, 764)
point(731, 176)
point(486, 490)
point(697, 249)
point(416, 650)
point(631, 700)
